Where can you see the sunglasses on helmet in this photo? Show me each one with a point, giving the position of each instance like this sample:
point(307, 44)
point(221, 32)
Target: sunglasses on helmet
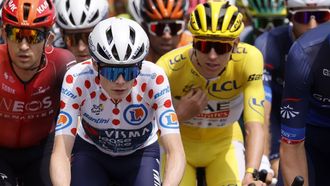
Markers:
point(304, 16)
point(72, 39)
point(159, 28)
point(112, 73)
point(220, 47)
point(32, 36)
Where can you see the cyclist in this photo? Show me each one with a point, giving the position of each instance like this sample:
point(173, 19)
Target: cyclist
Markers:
point(31, 77)
point(123, 102)
point(264, 16)
point(212, 80)
point(305, 113)
point(164, 22)
point(275, 46)
point(76, 19)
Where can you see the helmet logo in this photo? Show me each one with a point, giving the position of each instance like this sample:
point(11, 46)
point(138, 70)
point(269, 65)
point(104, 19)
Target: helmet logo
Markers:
point(12, 6)
point(42, 7)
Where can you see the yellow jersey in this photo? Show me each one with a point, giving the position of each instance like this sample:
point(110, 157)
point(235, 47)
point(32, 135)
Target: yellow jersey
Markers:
point(238, 88)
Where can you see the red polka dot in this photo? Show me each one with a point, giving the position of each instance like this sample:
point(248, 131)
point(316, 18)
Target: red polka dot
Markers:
point(79, 91)
point(129, 98)
point(168, 103)
point(115, 111)
point(69, 79)
point(74, 131)
point(87, 84)
point(87, 63)
point(115, 122)
point(135, 83)
point(143, 87)
point(155, 106)
point(62, 104)
point(97, 80)
point(139, 98)
point(83, 102)
point(93, 94)
point(151, 93)
point(75, 106)
point(103, 97)
point(160, 79)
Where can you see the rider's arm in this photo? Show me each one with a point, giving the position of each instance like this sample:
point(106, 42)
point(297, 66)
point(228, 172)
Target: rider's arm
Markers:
point(60, 167)
point(295, 105)
point(65, 130)
point(175, 159)
point(253, 112)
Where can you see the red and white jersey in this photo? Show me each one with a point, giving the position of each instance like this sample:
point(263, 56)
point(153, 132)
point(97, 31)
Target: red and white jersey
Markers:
point(28, 109)
point(116, 127)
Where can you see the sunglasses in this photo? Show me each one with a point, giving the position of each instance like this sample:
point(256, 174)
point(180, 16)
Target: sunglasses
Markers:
point(304, 17)
point(32, 36)
point(112, 73)
point(159, 28)
point(72, 39)
point(220, 47)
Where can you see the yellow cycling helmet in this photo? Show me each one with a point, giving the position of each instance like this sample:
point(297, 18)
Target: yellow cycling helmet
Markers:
point(216, 19)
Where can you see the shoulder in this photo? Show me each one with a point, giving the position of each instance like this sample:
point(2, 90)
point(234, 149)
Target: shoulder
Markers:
point(59, 56)
point(81, 71)
point(175, 59)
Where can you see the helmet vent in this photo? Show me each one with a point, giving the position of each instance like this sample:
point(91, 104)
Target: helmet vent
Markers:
point(26, 10)
point(12, 18)
point(88, 3)
point(101, 52)
point(140, 52)
point(198, 20)
point(115, 53)
point(71, 19)
point(96, 15)
point(50, 4)
point(109, 36)
point(83, 17)
point(128, 52)
point(67, 5)
point(40, 19)
point(63, 21)
point(132, 35)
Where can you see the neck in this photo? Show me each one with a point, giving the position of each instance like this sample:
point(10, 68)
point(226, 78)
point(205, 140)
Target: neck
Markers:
point(152, 56)
point(23, 74)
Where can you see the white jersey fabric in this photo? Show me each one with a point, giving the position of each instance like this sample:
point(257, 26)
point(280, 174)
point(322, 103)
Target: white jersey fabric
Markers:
point(116, 127)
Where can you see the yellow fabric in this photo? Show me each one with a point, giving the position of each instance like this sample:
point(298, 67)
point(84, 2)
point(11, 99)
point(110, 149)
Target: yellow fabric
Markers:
point(208, 138)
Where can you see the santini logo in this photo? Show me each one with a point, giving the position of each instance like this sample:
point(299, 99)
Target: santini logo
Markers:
point(287, 112)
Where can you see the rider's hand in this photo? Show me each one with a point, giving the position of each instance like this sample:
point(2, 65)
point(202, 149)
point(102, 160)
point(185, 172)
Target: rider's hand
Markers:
point(248, 179)
point(266, 167)
point(191, 104)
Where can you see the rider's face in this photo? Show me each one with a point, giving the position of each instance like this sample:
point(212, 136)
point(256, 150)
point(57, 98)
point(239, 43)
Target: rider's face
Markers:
point(24, 52)
point(118, 89)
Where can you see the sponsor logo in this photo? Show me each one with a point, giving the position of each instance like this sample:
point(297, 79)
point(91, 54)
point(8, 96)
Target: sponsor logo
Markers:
point(8, 77)
point(254, 77)
point(21, 106)
point(12, 6)
point(287, 112)
point(64, 120)
point(321, 98)
point(8, 89)
point(162, 92)
point(41, 90)
point(135, 114)
point(226, 86)
point(266, 76)
point(177, 59)
point(42, 7)
point(90, 71)
point(97, 109)
point(152, 75)
point(257, 105)
point(68, 93)
point(326, 72)
point(169, 119)
point(96, 120)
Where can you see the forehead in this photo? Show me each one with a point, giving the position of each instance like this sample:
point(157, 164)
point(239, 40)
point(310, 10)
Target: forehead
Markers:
point(76, 31)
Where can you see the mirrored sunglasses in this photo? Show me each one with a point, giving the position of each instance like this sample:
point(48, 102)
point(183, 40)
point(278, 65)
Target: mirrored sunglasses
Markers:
point(220, 47)
point(112, 73)
point(304, 17)
point(159, 28)
point(72, 39)
point(32, 36)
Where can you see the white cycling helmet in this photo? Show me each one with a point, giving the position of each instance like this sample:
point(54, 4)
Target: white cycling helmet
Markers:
point(118, 41)
point(80, 14)
point(135, 10)
point(306, 3)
